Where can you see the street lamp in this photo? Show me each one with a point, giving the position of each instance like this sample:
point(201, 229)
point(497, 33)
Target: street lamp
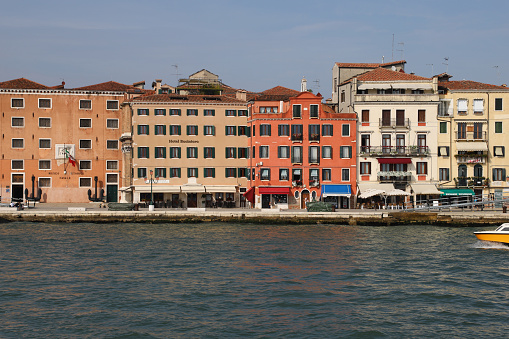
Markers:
point(151, 193)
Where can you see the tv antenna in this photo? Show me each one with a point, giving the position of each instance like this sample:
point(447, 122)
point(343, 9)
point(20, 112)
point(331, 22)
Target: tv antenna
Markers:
point(446, 63)
point(431, 68)
point(498, 73)
point(177, 73)
point(402, 50)
point(317, 84)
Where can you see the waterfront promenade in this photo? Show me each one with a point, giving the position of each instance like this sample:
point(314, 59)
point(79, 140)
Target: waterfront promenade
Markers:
point(99, 213)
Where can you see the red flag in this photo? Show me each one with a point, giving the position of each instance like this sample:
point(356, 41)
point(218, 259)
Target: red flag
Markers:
point(72, 161)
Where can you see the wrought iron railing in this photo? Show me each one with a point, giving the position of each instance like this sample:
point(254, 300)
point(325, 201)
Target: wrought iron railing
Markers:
point(385, 151)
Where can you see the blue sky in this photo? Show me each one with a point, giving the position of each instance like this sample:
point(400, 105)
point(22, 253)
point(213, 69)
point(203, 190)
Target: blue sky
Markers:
point(253, 45)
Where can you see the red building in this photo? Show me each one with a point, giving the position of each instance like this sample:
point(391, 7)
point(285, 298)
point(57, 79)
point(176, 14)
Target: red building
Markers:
point(301, 150)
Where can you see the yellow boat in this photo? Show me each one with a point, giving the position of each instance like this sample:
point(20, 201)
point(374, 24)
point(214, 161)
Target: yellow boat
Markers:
point(501, 234)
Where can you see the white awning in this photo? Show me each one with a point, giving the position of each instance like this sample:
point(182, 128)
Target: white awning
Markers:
point(220, 188)
point(157, 189)
point(471, 146)
point(430, 189)
point(193, 188)
point(370, 189)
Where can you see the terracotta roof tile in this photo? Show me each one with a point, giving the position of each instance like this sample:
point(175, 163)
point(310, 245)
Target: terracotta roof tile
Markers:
point(277, 93)
point(22, 83)
point(110, 86)
point(383, 74)
point(168, 98)
point(468, 85)
point(368, 65)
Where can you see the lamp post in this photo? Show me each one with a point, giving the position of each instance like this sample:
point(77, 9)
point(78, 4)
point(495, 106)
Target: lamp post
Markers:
point(151, 206)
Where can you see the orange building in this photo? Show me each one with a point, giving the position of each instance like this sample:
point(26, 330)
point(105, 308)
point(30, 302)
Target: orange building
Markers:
point(301, 150)
point(44, 129)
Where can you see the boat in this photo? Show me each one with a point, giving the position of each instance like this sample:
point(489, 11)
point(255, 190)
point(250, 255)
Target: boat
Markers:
point(501, 234)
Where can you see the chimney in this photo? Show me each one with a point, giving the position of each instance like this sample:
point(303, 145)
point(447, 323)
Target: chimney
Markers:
point(241, 95)
point(156, 86)
point(504, 85)
point(303, 85)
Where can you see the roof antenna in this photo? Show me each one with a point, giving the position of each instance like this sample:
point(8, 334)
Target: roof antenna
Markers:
point(446, 63)
point(317, 84)
point(402, 50)
point(498, 73)
point(392, 47)
point(176, 73)
point(431, 69)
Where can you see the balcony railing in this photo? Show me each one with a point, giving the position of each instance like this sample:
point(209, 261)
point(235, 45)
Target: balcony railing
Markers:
point(394, 176)
point(472, 182)
point(314, 183)
point(297, 137)
point(394, 123)
point(470, 160)
point(471, 136)
point(390, 151)
point(314, 137)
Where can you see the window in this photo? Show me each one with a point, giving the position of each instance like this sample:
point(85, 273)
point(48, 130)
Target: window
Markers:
point(44, 182)
point(443, 174)
point(499, 174)
point(243, 152)
point(209, 112)
point(326, 152)
point(499, 151)
point(326, 174)
point(478, 106)
point(17, 103)
point(175, 172)
point(192, 112)
point(160, 129)
point(142, 172)
point(45, 122)
point(192, 152)
point(268, 109)
point(230, 130)
point(230, 172)
point(365, 115)
point(297, 111)
point(343, 96)
point(297, 132)
point(242, 112)
point(112, 165)
point(314, 132)
point(209, 172)
point(422, 168)
point(264, 152)
point(175, 152)
point(314, 177)
point(443, 127)
point(297, 176)
point(498, 126)
point(143, 153)
point(142, 111)
point(112, 123)
point(265, 174)
point(283, 130)
point(18, 143)
point(160, 172)
point(243, 130)
point(85, 182)
point(209, 130)
point(111, 144)
point(462, 106)
point(209, 152)
point(192, 172)
point(345, 152)
point(17, 164)
point(230, 152)
point(85, 144)
point(44, 103)
point(243, 173)
point(314, 154)
point(421, 115)
point(175, 129)
point(345, 174)
point(142, 129)
point(345, 130)
point(174, 112)
point(17, 122)
point(85, 104)
point(498, 104)
point(160, 152)
point(264, 130)
point(283, 174)
point(283, 152)
point(45, 143)
point(365, 142)
point(327, 130)
point(296, 154)
point(85, 123)
point(230, 113)
point(192, 130)
point(112, 104)
point(443, 151)
point(162, 111)
point(85, 164)
point(313, 111)
point(365, 168)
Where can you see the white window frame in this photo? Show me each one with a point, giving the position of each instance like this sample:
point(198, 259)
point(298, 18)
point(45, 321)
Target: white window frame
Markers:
point(111, 182)
point(268, 152)
point(79, 143)
point(112, 109)
point(112, 120)
point(84, 119)
point(323, 153)
point(84, 186)
point(22, 165)
point(478, 110)
point(345, 135)
point(44, 169)
point(84, 162)
point(300, 116)
point(50, 142)
point(12, 141)
point(18, 99)
point(112, 162)
point(50, 103)
point(85, 109)
point(39, 182)
point(22, 118)
point(39, 122)
point(110, 148)
point(349, 174)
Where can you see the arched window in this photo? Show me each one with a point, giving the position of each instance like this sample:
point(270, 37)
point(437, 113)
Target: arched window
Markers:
point(462, 170)
point(478, 171)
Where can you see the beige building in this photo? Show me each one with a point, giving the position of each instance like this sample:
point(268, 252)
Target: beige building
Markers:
point(185, 150)
point(473, 126)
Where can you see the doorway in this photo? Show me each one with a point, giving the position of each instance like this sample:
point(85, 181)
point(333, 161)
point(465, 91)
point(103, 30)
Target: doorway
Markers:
point(304, 198)
point(111, 193)
point(265, 200)
point(17, 187)
point(192, 200)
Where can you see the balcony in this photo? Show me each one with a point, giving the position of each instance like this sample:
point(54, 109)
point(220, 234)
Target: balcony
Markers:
point(471, 158)
point(471, 136)
point(297, 137)
point(297, 183)
point(394, 123)
point(392, 151)
point(471, 182)
point(394, 176)
point(314, 183)
point(314, 137)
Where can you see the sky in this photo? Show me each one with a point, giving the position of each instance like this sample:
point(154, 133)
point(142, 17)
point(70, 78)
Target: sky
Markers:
point(253, 45)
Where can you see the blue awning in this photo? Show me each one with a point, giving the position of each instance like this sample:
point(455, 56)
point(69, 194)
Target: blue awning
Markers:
point(336, 190)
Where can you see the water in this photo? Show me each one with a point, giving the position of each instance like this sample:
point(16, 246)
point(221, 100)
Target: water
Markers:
point(228, 280)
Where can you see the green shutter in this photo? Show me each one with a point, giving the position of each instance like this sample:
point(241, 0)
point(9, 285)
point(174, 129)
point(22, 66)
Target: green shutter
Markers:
point(225, 130)
point(139, 129)
point(234, 153)
point(164, 152)
point(213, 130)
point(213, 152)
point(180, 130)
point(139, 152)
point(179, 172)
point(213, 172)
point(213, 112)
point(164, 129)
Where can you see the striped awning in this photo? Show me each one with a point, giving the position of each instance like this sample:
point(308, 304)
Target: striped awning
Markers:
point(471, 146)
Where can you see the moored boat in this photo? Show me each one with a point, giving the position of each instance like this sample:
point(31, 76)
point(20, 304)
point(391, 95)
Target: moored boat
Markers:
point(501, 234)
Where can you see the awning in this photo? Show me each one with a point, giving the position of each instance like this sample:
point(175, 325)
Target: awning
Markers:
point(471, 146)
point(456, 191)
point(274, 190)
point(336, 190)
point(394, 160)
point(368, 190)
point(220, 188)
point(430, 189)
point(250, 195)
point(157, 189)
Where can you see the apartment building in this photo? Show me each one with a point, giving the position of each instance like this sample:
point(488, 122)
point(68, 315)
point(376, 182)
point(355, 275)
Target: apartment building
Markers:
point(473, 121)
point(63, 141)
point(301, 150)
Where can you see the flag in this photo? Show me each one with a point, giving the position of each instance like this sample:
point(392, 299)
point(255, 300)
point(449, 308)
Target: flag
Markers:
point(72, 161)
